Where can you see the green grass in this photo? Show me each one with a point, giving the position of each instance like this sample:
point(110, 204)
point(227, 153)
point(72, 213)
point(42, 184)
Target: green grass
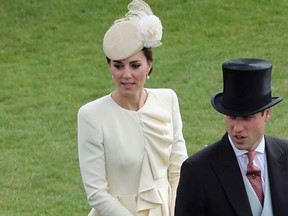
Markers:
point(51, 63)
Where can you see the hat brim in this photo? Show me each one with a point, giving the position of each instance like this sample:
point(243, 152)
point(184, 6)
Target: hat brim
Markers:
point(216, 102)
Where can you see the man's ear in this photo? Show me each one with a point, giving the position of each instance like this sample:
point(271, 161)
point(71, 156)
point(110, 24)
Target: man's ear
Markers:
point(267, 115)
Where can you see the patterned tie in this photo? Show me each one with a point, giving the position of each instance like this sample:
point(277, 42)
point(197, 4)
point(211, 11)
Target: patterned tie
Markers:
point(254, 176)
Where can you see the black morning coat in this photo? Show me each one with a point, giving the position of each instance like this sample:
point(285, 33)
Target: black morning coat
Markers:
point(211, 183)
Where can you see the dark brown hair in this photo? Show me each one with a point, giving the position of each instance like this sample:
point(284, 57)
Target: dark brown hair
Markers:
point(148, 55)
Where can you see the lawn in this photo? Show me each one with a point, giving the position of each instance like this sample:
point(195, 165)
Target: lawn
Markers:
point(51, 63)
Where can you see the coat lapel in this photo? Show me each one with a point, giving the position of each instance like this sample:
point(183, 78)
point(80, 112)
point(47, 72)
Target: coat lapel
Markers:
point(277, 170)
point(229, 174)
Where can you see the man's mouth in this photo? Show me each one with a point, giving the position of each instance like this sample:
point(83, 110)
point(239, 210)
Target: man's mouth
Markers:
point(239, 138)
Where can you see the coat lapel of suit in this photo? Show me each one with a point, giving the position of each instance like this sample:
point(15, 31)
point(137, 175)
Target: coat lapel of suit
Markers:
point(278, 175)
point(230, 176)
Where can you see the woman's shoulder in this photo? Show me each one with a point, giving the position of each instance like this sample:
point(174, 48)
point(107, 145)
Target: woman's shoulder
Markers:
point(162, 92)
point(164, 97)
point(97, 104)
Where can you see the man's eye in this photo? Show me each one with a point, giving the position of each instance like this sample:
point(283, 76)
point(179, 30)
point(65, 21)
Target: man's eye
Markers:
point(247, 117)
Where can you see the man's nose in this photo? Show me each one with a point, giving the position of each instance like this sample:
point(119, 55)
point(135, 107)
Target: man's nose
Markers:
point(238, 125)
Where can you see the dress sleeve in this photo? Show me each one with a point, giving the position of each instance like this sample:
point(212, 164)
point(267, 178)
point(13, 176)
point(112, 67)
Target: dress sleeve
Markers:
point(179, 151)
point(92, 166)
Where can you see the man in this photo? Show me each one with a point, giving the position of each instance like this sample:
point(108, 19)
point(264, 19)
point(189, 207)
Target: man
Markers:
point(215, 181)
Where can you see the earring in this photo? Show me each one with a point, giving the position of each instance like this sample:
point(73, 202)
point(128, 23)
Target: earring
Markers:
point(148, 77)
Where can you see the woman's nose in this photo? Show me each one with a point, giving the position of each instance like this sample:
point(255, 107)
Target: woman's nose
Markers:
point(127, 73)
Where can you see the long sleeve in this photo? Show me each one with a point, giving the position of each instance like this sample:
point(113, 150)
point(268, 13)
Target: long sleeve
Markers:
point(179, 151)
point(92, 166)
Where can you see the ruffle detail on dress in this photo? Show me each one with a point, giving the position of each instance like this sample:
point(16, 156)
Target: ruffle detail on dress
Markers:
point(158, 138)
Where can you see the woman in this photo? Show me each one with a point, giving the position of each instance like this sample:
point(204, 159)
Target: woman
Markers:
point(130, 142)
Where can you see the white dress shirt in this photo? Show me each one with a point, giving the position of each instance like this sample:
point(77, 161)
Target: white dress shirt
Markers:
point(259, 160)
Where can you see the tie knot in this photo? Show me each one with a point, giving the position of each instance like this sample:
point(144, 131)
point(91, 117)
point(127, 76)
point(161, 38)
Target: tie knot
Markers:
point(251, 156)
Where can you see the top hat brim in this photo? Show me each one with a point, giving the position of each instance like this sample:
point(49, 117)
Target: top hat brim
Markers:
point(217, 99)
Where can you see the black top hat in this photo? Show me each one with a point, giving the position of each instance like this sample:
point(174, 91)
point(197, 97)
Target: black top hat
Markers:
point(246, 88)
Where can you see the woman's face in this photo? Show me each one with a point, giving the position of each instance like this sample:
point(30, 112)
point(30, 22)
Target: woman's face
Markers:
point(130, 74)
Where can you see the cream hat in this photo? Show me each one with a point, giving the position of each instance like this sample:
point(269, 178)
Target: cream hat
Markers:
point(138, 29)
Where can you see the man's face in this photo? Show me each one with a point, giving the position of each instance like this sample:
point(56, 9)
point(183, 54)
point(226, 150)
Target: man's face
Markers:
point(246, 132)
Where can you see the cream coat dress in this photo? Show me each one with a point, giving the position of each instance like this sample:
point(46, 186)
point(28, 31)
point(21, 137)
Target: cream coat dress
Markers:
point(130, 160)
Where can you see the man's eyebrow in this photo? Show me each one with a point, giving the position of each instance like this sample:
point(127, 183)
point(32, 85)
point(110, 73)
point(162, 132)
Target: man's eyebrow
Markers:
point(247, 116)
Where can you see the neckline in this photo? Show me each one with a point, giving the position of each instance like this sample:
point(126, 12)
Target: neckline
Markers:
point(128, 110)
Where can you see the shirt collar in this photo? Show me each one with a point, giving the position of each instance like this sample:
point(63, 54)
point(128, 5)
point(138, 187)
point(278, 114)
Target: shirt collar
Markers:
point(260, 148)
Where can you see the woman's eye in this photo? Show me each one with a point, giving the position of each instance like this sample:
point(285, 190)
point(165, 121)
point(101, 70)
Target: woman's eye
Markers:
point(118, 66)
point(135, 66)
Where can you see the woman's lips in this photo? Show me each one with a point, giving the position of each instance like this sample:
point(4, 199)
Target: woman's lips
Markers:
point(127, 83)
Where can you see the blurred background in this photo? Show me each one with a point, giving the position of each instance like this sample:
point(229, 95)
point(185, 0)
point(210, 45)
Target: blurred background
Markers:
point(51, 63)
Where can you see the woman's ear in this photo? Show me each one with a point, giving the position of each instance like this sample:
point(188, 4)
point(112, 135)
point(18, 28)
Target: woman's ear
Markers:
point(150, 64)
point(109, 67)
